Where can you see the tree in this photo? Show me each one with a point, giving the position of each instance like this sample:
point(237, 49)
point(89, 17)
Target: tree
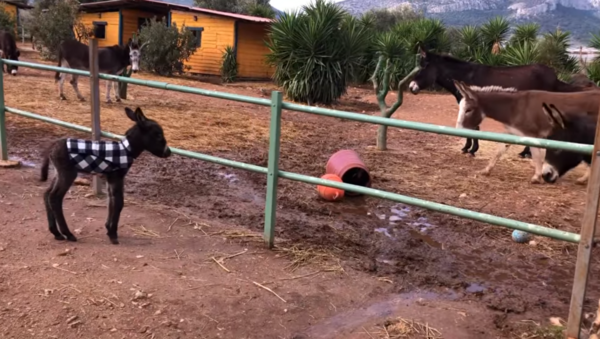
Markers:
point(169, 47)
point(232, 6)
point(260, 8)
point(53, 24)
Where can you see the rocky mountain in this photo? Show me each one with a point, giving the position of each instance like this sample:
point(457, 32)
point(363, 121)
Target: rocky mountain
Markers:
point(580, 17)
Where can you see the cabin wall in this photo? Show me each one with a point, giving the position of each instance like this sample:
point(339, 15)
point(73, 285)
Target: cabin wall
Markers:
point(112, 26)
point(252, 50)
point(130, 21)
point(218, 33)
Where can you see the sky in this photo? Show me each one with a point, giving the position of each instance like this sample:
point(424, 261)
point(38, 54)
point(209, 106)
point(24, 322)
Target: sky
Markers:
point(287, 5)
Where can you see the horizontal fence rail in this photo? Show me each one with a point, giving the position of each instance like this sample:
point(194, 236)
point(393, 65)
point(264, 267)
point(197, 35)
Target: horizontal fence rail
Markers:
point(483, 217)
point(585, 239)
point(418, 126)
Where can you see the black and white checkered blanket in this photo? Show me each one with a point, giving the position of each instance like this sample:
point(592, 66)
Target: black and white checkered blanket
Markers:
point(99, 156)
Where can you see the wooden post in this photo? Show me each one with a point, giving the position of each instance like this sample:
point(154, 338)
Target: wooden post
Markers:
point(584, 252)
point(95, 104)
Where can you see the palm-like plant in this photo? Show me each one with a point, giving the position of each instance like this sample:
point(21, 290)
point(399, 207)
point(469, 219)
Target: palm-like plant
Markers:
point(593, 71)
point(495, 31)
point(314, 52)
point(553, 52)
point(526, 53)
point(525, 32)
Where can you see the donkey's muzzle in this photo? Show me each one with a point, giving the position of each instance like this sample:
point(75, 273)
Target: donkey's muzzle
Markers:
point(167, 152)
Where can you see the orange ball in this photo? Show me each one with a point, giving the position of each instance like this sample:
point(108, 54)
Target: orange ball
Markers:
point(330, 193)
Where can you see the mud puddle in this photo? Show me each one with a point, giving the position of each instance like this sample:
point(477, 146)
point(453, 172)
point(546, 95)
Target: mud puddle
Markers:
point(348, 321)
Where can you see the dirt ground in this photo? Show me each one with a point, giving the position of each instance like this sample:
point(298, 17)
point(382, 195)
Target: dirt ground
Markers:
point(343, 269)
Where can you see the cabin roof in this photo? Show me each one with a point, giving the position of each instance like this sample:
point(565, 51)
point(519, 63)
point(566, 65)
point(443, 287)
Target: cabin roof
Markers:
point(118, 4)
point(18, 4)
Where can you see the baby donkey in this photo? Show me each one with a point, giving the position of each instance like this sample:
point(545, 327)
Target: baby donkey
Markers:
point(108, 158)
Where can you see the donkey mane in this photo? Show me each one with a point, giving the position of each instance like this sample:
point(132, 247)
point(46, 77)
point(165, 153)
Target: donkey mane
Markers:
point(492, 89)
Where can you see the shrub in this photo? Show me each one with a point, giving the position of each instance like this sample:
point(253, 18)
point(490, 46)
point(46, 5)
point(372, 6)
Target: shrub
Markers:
point(229, 66)
point(316, 52)
point(52, 25)
point(168, 47)
point(7, 21)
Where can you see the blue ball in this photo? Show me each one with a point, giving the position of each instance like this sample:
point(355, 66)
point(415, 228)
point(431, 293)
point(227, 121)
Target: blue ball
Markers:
point(520, 236)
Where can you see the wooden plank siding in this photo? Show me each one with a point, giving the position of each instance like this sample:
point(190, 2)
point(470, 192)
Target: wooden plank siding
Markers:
point(252, 51)
point(112, 26)
point(219, 32)
point(130, 19)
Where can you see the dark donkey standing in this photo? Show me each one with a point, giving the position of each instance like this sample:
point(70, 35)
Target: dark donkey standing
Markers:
point(108, 158)
point(111, 60)
point(9, 49)
point(443, 69)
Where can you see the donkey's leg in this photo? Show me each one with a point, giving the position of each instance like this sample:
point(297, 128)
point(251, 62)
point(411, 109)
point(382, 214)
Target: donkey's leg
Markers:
point(585, 176)
point(116, 89)
point(537, 158)
point(108, 86)
point(61, 84)
point(501, 149)
point(64, 180)
point(50, 214)
point(475, 145)
point(526, 153)
point(115, 183)
point(74, 83)
point(467, 146)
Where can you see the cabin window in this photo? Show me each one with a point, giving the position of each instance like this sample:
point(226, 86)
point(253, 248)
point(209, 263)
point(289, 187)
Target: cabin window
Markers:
point(100, 29)
point(197, 33)
point(142, 22)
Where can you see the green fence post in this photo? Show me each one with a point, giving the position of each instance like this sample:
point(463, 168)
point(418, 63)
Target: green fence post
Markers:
point(3, 145)
point(273, 168)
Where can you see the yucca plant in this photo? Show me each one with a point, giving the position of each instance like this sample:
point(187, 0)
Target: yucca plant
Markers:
point(553, 52)
point(593, 71)
point(469, 43)
point(495, 31)
point(315, 51)
point(525, 33)
point(595, 40)
point(395, 59)
point(229, 66)
point(526, 53)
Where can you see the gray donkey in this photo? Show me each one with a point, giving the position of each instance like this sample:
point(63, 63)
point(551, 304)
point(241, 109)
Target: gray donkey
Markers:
point(108, 158)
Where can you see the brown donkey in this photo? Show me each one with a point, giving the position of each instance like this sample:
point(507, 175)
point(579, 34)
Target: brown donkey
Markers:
point(521, 114)
point(108, 158)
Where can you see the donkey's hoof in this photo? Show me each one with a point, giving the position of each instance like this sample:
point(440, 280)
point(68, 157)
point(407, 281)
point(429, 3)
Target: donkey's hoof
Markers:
point(82, 99)
point(471, 154)
point(464, 150)
point(59, 237)
point(484, 172)
point(62, 97)
point(536, 179)
point(525, 155)
point(114, 241)
point(71, 237)
point(117, 99)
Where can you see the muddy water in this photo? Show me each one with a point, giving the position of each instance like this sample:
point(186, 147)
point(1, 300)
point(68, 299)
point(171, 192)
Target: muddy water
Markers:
point(347, 321)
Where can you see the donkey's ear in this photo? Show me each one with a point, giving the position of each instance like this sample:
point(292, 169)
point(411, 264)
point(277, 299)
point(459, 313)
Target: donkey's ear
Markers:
point(130, 114)
point(139, 115)
point(557, 115)
point(422, 51)
point(554, 115)
point(460, 87)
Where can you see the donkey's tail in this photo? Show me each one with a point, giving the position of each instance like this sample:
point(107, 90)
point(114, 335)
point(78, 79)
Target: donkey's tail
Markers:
point(45, 166)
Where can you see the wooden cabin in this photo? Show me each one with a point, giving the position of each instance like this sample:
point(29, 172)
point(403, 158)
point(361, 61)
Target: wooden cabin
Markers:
point(13, 9)
point(115, 21)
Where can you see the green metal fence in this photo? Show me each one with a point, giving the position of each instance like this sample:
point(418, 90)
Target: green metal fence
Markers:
point(272, 170)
